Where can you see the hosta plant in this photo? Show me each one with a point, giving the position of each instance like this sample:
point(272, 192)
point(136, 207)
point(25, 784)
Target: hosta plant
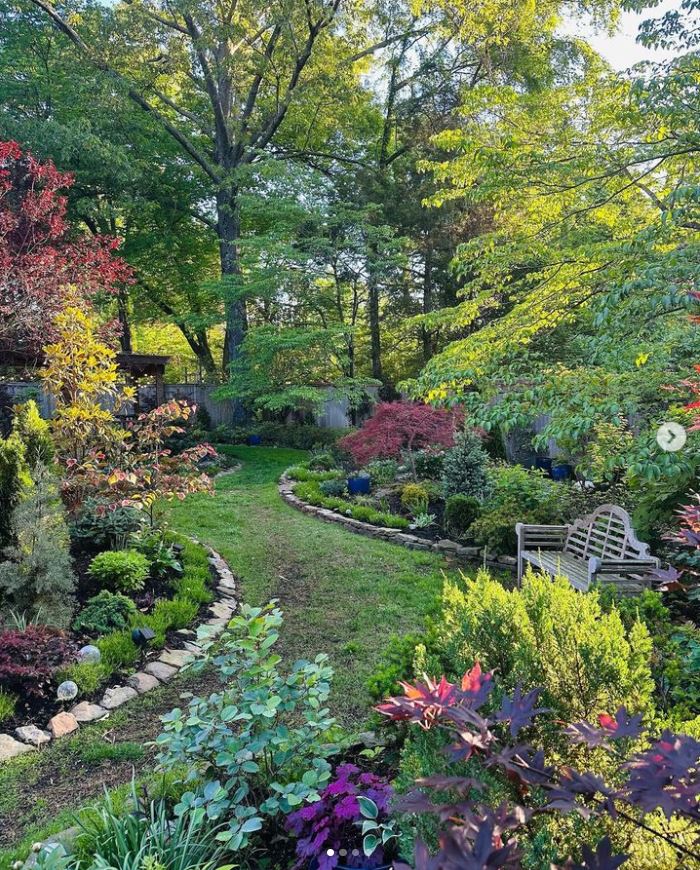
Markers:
point(262, 740)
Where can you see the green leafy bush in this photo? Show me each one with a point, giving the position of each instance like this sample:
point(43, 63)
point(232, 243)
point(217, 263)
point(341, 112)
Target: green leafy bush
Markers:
point(464, 467)
point(517, 494)
point(395, 664)
point(336, 487)
point(382, 471)
point(310, 493)
point(124, 570)
point(298, 436)
point(460, 512)
point(99, 526)
point(264, 734)
point(429, 464)
point(88, 676)
point(105, 612)
point(414, 498)
point(322, 462)
point(161, 557)
point(8, 702)
point(119, 652)
point(36, 577)
point(547, 634)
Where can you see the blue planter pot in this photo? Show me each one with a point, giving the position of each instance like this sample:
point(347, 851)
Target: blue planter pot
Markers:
point(562, 472)
point(359, 485)
point(254, 440)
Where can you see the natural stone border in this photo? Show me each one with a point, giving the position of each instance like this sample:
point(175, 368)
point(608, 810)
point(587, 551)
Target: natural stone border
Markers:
point(396, 536)
point(28, 738)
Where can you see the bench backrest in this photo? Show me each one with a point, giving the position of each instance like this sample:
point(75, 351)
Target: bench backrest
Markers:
point(606, 533)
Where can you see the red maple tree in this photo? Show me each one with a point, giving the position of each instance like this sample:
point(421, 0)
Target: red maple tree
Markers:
point(40, 255)
point(398, 427)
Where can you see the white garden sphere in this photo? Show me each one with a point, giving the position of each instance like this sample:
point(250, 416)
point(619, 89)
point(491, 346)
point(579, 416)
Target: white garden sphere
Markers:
point(67, 691)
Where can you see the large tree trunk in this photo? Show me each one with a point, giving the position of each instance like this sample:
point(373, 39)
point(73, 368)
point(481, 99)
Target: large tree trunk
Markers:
point(427, 336)
point(236, 321)
point(123, 315)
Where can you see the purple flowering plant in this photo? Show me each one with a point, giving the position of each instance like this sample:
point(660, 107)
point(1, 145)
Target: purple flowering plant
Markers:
point(349, 825)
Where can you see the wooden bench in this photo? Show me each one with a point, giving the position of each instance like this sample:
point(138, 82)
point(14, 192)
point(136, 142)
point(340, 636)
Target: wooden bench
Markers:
point(601, 546)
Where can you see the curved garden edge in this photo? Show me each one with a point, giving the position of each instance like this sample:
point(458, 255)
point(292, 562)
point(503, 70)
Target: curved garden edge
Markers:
point(30, 738)
point(451, 549)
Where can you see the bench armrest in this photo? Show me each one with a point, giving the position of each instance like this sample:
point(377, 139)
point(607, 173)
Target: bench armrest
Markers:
point(597, 565)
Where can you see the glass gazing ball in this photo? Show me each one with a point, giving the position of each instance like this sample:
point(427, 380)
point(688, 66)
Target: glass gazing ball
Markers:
point(90, 654)
point(67, 691)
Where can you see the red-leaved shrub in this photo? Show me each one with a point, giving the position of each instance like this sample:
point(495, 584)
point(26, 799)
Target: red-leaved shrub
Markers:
point(397, 427)
point(30, 658)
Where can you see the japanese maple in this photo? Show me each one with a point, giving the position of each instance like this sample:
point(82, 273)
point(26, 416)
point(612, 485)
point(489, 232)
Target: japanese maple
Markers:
point(41, 255)
point(401, 427)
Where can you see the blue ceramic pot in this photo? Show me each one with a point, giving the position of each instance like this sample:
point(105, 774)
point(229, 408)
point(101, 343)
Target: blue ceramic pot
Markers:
point(358, 485)
point(254, 440)
point(562, 472)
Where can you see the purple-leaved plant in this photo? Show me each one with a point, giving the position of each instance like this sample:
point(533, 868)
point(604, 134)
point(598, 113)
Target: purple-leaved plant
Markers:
point(331, 824)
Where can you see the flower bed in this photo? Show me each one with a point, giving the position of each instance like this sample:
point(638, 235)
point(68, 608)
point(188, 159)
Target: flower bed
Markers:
point(124, 670)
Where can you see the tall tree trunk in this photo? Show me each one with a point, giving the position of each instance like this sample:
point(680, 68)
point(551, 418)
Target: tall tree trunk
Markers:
point(373, 313)
point(236, 319)
point(426, 334)
point(123, 314)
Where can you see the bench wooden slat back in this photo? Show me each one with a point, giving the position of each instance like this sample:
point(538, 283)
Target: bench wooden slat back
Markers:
point(606, 533)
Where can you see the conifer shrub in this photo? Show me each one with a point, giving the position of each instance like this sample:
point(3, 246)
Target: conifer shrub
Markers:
point(549, 635)
point(14, 478)
point(34, 433)
point(414, 498)
point(105, 612)
point(464, 467)
point(36, 577)
point(460, 512)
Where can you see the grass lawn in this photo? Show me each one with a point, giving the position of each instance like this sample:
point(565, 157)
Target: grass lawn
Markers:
point(342, 593)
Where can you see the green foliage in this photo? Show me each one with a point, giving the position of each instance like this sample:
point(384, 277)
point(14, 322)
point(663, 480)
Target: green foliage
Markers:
point(337, 487)
point(14, 478)
point(414, 498)
point(102, 526)
point(548, 634)
point(34, 433)
point(396, 664)
point(429, 464)
point(124, 570)
point(516, 494)
point(295, 435)
point(322, 462)
point(118, 650)
point(262, 734)
point(464, 467)
point(161, 557)
point(8, 702)
point(460, 512)
point(311, 493)
point(37, 578)
point(194, 585)
point(147, 838)
point(300, 472)
point(382, 471)
point(105, 612)
point(88, 676)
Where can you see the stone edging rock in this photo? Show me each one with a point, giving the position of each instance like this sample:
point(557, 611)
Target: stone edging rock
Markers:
point(29, 738)
point(396, 536)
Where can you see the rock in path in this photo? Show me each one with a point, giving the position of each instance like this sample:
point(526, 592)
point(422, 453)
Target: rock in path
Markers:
point(32, 734)
point(161, 671)
point(87, 712)
point(63, 724)
point(117, 696)
point(175, 657)
point(9, 747)
point(143, 682)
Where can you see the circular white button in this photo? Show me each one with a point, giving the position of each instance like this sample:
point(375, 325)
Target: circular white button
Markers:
point(671, 437)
